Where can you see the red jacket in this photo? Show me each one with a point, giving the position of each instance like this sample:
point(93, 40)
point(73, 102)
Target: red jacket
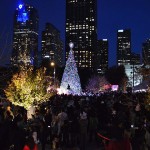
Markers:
point(27, 148)
point(119, 145)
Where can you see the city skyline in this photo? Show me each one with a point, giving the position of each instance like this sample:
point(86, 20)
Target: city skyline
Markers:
point(112, 16)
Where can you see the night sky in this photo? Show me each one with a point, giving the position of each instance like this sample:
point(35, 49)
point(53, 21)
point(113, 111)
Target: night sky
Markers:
point(112, 15)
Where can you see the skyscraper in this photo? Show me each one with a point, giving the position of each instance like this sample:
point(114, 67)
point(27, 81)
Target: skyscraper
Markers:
point(135, 59)
point(52, 46)
point(25, 36)
point(102, 61)
point(146, 52)
point(81, 29)
point(123, 47)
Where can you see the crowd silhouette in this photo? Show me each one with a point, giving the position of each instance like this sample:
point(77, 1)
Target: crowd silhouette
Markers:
point(110, 121)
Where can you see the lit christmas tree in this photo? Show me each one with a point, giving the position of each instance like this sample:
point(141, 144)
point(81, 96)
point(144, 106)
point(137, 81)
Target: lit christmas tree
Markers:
point(70, 83)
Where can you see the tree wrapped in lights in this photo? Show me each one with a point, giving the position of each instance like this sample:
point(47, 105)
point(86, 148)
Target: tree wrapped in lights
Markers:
point(70, 81)
point(97, 84)
point(28, 87)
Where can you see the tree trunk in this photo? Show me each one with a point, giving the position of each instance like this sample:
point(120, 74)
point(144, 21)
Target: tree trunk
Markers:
point(30, 112)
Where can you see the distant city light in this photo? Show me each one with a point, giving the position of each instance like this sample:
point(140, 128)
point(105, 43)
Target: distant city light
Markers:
point(114, 87)
point(120, 30)
point(71, 45)
point(47, 56)
point(104, 39)
point(20, 6)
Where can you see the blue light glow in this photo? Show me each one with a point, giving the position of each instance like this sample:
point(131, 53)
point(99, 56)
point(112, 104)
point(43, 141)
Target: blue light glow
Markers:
point(23, 17)
point(20, 6)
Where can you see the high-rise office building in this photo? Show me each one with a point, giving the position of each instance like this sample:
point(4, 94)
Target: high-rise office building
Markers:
point(123, 47)
point(135, 59)
point(25, 36)
point(81, 29)
point(52, 46)
point(146, 52)
point(102, 61)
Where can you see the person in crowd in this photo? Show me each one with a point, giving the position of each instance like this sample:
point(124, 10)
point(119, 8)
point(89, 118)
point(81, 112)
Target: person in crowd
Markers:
point(48, 123)
point(30, 144)
point(118, 140)
point(138, 140)
point(147, 138)
point(35, 133)
point(62, 116)
point(8, 113)
point(56, 143)
point(43, 134)
point(1, 114)
point(74, 129)
point(54, 126)
point(83, 123)
point(93, 126)
point(65, 134)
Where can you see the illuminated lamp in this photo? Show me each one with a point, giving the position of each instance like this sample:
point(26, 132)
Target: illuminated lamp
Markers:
point(20, 6)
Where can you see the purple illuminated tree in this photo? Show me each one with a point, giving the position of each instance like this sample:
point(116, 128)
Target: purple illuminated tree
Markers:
point(70, 81)
point(97, 84)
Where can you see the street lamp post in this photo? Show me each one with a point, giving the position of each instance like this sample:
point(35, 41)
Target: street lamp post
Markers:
point(54, 72)
point(133, 75)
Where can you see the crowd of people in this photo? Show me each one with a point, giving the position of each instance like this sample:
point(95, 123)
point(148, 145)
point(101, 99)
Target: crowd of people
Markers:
point(112, 121)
